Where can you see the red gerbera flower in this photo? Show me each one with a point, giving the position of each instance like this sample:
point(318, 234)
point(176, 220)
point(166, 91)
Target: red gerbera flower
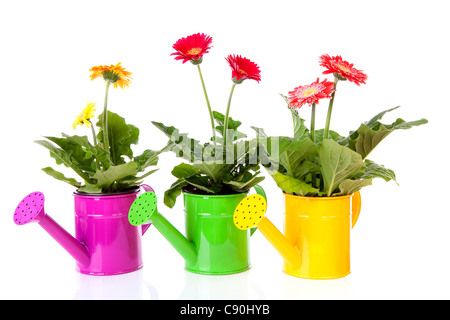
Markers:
point(192, 48)
point(243, 68)
point(310, 93)
point(342, 68)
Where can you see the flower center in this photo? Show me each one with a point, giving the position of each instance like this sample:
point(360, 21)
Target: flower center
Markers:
point(345, 69)
point(242, 72)
point(309, 92)
point(194, 51)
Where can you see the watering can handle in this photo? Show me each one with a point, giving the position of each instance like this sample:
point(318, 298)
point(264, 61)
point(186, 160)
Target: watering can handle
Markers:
point(356, 207)
point(259, 190)
point(146, 187)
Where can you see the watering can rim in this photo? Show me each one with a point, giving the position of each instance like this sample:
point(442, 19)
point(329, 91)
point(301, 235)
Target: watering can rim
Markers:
point(214, 195)
point(109, 194)
point(318, 198)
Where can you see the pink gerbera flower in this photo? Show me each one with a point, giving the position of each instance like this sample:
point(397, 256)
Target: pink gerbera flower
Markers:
point(192, 48)
point(310, 94)
point(243, 68)
point(342, 68)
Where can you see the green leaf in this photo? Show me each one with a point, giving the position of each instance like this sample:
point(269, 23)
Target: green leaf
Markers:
point(374, 121)
point(306, 167)
point(181, 144)
point(211, 166)
point(59, 176)
point(188, 174)
point(338, 163)
point(349, 186)
point(291, 185)
point(272, 147)
point(90, 188)
point(300, 130)
point(284, 153)
point(214, 169)
point(242, 186)
point(232, 133)
point(132, 181)
point(220, 119)
point(145, 175)
point(171, 195)
point(260, 132)
point(114, 174)
point(64, 157)
point(100, 154)
point(76, 152)
point(293, 154)
point(204, 183)
point(372, 132)
point(121, 136)
point(237, 154)
point(374, 170)
point(319, 135)
point(184, 170)
point(146, 159)
point(263, 148)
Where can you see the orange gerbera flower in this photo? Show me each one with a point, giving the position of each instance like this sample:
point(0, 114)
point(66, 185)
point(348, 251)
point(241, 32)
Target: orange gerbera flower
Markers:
point(115, 74)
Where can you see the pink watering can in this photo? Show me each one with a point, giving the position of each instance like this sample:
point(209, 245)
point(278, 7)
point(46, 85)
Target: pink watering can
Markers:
point(105, 243)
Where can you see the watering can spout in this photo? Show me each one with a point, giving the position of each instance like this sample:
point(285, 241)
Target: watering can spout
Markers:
point(289, 253)
point(250, 213)
point(31, 209)
point(144, 211)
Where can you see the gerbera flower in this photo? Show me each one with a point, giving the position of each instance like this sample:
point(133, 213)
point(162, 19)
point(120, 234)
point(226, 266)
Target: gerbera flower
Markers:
point(342, 68)
point(85, 116)
point(192, 48)
point(115, 74)
point(311, 93)
point(243, 68)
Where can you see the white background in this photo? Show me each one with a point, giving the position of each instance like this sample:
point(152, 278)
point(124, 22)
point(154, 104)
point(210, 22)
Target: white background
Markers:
point(400, 246)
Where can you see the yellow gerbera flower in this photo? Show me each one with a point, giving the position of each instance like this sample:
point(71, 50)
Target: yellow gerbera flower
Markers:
point(85, 115)
point(115, 74)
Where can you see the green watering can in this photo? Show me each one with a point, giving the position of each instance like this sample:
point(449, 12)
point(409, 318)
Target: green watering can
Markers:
point(213, 245)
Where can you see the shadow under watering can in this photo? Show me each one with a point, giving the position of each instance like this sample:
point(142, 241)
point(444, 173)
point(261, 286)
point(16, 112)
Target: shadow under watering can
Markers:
point(212, 244)
point(316, 243)
point(105, 243)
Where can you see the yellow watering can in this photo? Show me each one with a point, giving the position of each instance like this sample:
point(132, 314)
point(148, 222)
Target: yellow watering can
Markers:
point(316, 243)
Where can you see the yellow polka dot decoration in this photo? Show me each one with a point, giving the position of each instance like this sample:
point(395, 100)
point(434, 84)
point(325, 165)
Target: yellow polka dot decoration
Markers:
point(249, 212)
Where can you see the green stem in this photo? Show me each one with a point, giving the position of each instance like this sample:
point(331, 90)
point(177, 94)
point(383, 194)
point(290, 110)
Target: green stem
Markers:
point(95, 142)
point(294, 115)
point(313, 179)
point(313, 131)
point(209, 106)
point(330, 108)
point(93, 132)
point(225, 127)
point(313, 121)
point(105, 120)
